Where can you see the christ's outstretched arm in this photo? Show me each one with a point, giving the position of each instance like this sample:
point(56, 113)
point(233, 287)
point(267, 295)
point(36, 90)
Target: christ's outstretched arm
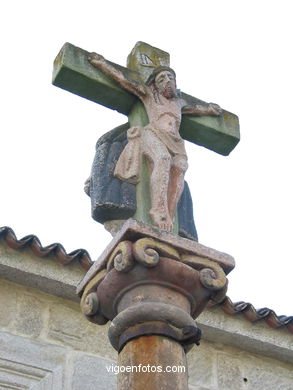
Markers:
point(105, 66)
point(203, 109)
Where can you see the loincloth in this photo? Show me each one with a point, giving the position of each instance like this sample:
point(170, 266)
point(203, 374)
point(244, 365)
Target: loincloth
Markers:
point(174, 143)
point(129, 163)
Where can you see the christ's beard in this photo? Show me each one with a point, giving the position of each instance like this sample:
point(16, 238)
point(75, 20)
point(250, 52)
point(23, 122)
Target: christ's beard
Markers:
point(169, 91)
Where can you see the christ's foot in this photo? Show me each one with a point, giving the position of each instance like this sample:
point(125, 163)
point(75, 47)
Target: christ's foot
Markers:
point(162, 221)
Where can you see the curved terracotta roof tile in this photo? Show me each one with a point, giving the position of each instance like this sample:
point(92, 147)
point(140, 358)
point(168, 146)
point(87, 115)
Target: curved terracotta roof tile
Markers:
point(254, 315)
point(247, 309)
point(32, 242)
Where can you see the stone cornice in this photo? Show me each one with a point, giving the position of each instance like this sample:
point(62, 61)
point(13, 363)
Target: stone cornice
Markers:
point(52, 270)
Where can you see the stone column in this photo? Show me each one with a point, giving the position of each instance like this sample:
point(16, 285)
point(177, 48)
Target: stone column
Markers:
point(152, 285)
point(156, 362)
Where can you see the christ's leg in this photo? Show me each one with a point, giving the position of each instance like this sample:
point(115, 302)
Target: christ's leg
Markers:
point(176, 183)
point(160, 162)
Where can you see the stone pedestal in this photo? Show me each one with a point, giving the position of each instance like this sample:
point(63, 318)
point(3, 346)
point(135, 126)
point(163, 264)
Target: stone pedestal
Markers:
point(152, 285)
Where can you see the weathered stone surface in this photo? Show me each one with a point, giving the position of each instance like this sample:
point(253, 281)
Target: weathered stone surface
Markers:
point(144, 57)
point(220, 134)
point(7, 304)
point(73, 72)
point(111, 198)
point(201, 363)
point(68, 326)
point(264, 374)
point(246, 372)
point(186, 223)
point(26, 364)
point(29, 319)
point(45, 274)
point(238, 332)
point(229, 374)
point(91, 373)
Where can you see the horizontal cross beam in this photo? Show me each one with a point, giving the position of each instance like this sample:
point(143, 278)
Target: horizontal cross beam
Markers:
point(73, 72)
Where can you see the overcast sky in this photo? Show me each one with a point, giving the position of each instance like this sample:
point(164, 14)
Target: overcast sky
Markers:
point(234, 53)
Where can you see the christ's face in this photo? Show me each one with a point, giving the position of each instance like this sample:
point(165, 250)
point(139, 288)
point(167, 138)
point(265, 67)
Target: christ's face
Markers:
point(166, 84)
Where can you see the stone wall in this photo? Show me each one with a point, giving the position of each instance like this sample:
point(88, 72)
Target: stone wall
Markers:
point(46, 343)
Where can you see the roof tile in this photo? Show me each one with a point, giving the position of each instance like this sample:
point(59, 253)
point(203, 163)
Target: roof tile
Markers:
point(82, 256)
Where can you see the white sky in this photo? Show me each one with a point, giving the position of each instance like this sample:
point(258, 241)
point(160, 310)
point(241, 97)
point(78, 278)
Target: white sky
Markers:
point(234, 53)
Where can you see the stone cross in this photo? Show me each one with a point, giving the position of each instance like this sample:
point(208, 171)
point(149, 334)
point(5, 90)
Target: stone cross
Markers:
point(122, 89)
point(150, 283)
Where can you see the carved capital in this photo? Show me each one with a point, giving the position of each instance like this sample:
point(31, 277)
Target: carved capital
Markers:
point(149, 282)
point(90, 304)
point(121, 257)
point(147, 251)
point(211, 275)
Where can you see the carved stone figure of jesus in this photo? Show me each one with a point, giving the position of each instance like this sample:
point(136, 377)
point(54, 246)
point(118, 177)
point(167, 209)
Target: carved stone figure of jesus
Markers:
point(159, 141)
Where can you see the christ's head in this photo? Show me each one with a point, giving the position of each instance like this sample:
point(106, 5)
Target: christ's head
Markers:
point(165, 83)
point(164, 80)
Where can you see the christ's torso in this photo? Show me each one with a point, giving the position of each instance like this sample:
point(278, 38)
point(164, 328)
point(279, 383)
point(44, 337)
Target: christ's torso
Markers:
point(163, 113)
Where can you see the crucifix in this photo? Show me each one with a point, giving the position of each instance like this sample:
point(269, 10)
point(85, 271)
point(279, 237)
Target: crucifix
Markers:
point(159, 118)
point(150, 282)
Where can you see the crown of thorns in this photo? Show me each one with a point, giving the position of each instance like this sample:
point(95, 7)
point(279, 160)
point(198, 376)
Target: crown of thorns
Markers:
point(158, 70)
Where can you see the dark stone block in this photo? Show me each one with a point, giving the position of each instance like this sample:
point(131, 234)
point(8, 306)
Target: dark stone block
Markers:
point(111, 198)
point(185, 215)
